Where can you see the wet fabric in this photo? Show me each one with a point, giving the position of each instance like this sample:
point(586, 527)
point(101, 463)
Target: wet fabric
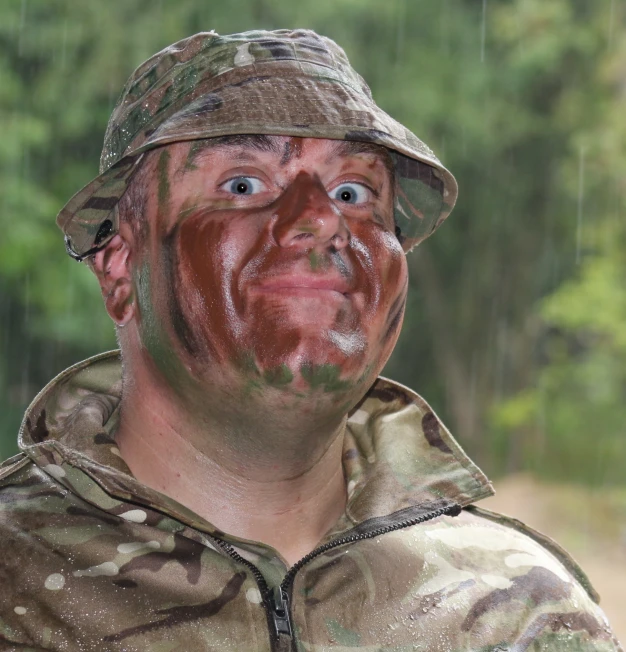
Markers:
point(94, 560)
point(283, 83)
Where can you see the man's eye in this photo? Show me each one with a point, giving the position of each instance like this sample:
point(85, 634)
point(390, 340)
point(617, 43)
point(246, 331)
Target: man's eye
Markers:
point(351, 193)
point(244, 186)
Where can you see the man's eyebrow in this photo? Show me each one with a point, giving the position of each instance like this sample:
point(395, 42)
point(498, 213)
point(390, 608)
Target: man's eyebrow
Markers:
point(352, 147)
point(200, 148)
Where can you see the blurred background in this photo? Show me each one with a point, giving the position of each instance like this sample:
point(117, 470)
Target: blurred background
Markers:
point(516, 324)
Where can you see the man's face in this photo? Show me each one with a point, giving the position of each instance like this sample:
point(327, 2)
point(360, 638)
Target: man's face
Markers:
point(272, 262)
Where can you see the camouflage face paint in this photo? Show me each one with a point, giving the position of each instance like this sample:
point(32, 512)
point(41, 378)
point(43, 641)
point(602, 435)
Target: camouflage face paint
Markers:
point(154, 336)
point(292, 149)
point(325, 376)
point(278, 376)
point(396, 313)
point(221, 258)
point(155, 296)
point(193, 150)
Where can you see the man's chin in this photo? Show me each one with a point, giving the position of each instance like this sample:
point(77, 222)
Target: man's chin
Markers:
point(317, 368)
point(294, 360)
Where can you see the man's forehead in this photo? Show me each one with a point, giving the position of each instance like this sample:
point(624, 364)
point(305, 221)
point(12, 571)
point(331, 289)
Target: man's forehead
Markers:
point(248, 146)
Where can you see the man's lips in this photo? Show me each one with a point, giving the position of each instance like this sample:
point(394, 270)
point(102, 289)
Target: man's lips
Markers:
point(304, 285)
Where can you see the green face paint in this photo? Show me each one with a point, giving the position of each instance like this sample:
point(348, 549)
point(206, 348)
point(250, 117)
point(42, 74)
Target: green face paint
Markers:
point(196, 146)
point(314, 259)
point(324, 376)
point(278, 376)
point(164, 181)
point(246, 363)
point(156, 341)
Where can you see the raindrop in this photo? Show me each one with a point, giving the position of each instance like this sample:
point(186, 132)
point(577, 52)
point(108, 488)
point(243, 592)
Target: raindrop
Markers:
point(611, 20)
point(483, 32)
point(400, 30)
point(64, 46)
point(22, 26)
point(581, 198)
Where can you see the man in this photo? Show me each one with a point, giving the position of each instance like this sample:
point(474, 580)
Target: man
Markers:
point(238, 478)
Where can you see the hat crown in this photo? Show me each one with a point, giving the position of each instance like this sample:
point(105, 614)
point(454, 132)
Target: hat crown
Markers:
point(176, 74)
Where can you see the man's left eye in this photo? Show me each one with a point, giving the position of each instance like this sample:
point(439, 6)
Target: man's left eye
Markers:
point(351, 193)
point(244, 186)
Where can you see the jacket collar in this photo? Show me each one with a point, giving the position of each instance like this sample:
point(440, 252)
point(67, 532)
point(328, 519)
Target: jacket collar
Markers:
point(397, 453)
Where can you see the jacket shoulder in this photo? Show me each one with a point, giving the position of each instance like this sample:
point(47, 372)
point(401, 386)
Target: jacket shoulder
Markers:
point(546, 542)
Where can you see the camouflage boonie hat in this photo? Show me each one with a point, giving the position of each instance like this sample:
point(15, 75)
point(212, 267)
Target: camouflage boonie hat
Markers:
point(283, 82)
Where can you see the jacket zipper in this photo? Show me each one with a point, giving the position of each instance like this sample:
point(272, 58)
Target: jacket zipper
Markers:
point(277, 602)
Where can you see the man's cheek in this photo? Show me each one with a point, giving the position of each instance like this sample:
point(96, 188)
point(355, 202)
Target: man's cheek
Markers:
point(390, 279)
point(206, 263)
point(212, 250)
point(158, 345)
point(382, 269)
point(396, 272)
point(200, 283)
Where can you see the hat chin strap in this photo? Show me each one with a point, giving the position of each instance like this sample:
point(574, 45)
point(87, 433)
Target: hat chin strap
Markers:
point(80, 257)
point(102, 238)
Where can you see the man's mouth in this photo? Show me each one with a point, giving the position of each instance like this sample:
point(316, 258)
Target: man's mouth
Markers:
point(304, 285)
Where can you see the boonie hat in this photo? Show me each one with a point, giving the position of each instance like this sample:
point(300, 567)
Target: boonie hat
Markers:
point(283, 82)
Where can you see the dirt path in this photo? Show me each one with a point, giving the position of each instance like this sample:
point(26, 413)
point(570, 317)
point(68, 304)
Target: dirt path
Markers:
point(591, 525)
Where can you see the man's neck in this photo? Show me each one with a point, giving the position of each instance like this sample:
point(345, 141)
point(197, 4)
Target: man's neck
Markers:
point(286, 492)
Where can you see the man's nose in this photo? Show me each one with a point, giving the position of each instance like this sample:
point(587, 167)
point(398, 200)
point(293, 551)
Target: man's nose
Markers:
point(306, 216)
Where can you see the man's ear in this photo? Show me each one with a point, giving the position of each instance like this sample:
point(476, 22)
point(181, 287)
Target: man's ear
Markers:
point(111, 266)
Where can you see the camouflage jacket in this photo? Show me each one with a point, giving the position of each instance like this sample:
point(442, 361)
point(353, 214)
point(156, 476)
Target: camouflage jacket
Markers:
point(94, 560)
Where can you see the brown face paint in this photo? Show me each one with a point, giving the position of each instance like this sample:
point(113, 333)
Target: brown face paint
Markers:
point(292, 149)
point(302, 209)
point(200, 249)
point(217, 255)
point(219, 302)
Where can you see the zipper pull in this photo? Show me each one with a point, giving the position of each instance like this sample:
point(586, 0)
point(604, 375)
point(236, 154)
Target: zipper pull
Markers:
point(280, 612)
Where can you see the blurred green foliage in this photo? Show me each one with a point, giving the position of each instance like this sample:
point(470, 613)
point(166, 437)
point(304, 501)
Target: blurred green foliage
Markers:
point(515, 328)
point(572, 417)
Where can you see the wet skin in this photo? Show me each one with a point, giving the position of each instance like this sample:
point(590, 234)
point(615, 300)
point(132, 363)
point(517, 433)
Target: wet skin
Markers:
point(273, 268)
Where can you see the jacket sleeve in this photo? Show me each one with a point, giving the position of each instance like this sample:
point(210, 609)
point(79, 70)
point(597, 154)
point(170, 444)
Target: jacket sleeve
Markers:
point(552, 616)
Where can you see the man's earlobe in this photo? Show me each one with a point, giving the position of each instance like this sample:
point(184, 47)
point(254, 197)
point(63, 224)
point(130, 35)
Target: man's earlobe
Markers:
point(112, 268)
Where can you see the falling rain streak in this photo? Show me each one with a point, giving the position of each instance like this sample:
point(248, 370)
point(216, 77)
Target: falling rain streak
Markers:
point(611, 23)
point(581, 199)
point(483, 31)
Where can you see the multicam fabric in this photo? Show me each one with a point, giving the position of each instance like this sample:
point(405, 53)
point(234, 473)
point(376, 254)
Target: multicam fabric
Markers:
point(93, 560)
point(290, 83)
